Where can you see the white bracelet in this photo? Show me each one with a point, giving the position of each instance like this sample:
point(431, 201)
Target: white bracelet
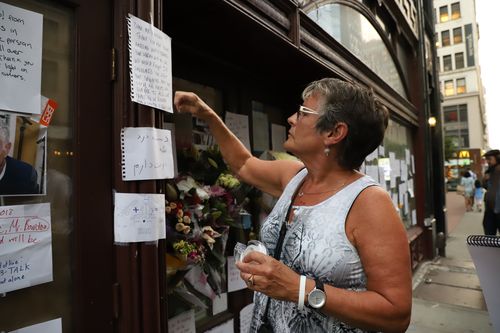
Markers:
point(302, 292)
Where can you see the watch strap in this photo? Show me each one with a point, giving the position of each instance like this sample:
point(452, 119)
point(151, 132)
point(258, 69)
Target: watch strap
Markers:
point(319, 284)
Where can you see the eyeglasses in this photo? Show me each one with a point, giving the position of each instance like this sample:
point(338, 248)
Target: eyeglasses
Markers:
point(305, 109)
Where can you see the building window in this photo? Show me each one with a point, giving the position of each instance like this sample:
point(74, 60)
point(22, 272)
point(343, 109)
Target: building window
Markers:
point(449, 89)
point(438, 63)
point(445, 38)
point(459, 60)
point(461, 88)
point(447, 63)
point(455, 11)
point(455, 125)
point(443, 14)
point(457, 35)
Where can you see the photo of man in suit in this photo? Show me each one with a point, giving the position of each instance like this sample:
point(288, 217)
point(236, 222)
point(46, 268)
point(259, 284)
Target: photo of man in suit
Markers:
point(16, 177)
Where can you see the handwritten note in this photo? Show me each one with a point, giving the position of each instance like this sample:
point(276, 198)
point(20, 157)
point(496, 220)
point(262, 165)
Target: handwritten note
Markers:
point(227, 327)
point(183, 323)
point(146, 153)
point(139, 217)
point(278, 137)
point(260, 130)
point(150, 65)
point(20, 59)
point(52, 326)
point(246, 318)
point(238, 124)
point(234, 281)
point(25, 246)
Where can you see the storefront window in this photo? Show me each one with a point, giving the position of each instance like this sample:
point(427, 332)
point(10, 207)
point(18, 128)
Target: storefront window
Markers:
point(52, 300)
point(393, 166)
point(358, 35)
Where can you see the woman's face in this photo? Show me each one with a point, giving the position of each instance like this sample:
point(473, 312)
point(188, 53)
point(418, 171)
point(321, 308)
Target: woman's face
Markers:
point(303, 139)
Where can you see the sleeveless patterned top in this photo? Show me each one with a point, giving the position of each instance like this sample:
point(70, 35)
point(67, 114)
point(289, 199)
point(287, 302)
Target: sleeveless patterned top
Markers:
point(315, 245)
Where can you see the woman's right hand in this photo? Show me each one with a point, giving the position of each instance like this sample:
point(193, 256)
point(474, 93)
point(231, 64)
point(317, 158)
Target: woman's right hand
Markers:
point(188, 102)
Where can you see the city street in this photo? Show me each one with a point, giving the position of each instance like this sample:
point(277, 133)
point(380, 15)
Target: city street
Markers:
point(447, 296)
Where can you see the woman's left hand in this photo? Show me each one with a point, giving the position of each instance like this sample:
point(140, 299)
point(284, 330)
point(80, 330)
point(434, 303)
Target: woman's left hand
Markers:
point(270, 276)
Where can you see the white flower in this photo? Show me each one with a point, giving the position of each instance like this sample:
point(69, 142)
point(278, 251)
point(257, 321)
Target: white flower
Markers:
point(186, 184)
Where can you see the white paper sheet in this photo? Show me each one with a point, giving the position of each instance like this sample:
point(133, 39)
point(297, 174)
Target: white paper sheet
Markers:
point(21, 34)
point(150, 65)
point(139, 217)
point(52, 326)
point(278, 137)
point(234, 281)
point(260, 130)
point(146, 153)
point(238, 124)
point(246, 318)
point(227, 327)
point(183, 323)
point(25, 246)
point(219, 304)
point(171, 128)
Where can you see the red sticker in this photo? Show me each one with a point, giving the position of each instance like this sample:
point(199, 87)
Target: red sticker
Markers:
point(48, 112)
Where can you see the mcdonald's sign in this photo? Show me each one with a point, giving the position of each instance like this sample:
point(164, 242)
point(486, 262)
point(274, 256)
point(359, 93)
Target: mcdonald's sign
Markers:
point(464, 154)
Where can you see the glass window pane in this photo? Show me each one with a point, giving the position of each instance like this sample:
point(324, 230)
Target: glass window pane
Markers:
point(445, 38)
point(461, 89)
point(455, 10)
point(443, 14)
point(449, 89)
point(450, 116)
point(457, 35)
point(447, 63)
point(462, 110)
point(357, 34)
point(459, 60)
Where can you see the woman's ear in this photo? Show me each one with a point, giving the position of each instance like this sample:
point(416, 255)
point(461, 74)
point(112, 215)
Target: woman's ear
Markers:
point(337, 134)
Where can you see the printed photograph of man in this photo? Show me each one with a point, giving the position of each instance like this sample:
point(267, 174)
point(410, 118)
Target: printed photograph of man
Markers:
point(16, 177)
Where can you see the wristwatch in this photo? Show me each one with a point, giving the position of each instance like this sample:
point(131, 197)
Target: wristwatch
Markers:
point(317, 297)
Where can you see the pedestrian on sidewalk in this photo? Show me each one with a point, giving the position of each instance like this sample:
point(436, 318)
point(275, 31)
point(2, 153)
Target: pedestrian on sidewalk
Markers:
point(468, 183)
point(491, 182)
point(478, 195)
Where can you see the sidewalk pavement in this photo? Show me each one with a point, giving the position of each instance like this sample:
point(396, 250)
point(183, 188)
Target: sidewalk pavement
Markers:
point(447, 296)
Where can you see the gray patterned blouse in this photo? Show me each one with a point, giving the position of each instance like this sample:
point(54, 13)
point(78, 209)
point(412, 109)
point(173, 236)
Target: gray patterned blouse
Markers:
point(315, 245)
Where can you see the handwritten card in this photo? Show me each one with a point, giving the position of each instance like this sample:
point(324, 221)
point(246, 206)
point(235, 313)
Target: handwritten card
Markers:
point(227, 327)
point(150, 65)
point(238, 124)
point(234, 281)
point(260, 126)
point(246, 318)
point(183, 323)
point(146, 153)
point(25, 246)
point(278, 137)
point(139, 217)
point(20, 59)
point(52, 326)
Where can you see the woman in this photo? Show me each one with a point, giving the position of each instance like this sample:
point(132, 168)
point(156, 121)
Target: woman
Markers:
point(468, 183)
point(343, 231)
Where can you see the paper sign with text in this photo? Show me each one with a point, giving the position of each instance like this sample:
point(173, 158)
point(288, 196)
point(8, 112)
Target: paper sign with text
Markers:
point(52, 326)
point(139, 217)
point(25, 246)
point(146, 153)
point(150, 65)
point(182, 323)
point(20, 59)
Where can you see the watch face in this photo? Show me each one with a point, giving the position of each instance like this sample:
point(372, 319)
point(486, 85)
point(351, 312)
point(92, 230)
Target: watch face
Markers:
point(316, 298)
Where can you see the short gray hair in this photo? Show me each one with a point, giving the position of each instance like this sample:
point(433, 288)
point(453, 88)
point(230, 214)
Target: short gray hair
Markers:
point(356, 106)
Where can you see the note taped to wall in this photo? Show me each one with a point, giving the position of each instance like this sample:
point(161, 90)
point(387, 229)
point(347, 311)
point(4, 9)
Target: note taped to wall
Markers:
point(150, 65)
point(25, 246)
point(146, 153)
point(51, 326)
point(139, 217)
point(20, 59)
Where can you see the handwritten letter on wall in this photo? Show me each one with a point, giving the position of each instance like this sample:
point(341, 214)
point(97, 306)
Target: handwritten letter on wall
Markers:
point(25, 246)
point(150, 65)
point(139, 217)
point(20, 59)
point(146, 153)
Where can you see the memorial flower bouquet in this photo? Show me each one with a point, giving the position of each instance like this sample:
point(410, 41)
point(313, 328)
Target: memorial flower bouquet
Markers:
point(202, 203)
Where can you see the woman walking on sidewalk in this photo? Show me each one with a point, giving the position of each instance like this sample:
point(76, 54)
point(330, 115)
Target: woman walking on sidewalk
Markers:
point(468, 183)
